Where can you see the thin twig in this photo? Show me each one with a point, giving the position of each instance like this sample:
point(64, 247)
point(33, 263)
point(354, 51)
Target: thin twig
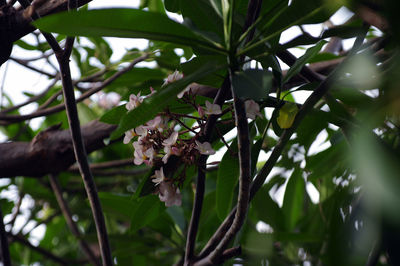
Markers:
point(38, 249)
point(30, 100)
point(87, 94)
point(55, 185)
point(40, 71)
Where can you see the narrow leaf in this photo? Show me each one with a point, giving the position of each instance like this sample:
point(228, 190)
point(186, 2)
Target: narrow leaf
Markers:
point(228, 175)
point(293, 199)
point(303, 60)
point(126, 23)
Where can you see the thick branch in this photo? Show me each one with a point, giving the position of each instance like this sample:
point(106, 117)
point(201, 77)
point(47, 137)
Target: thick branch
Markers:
point(50, 151)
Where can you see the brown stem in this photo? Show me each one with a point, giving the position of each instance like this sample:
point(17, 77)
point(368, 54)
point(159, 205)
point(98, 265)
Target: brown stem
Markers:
point(81, 157)
point(200, 186)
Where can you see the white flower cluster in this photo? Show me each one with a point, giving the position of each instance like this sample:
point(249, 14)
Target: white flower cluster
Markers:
point(157, 141)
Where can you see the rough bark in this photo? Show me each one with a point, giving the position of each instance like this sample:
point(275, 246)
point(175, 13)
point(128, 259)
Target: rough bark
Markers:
point(15, 23)
point(51, 151)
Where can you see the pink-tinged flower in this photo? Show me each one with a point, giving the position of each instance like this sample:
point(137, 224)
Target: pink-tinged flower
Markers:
point(173, 77)
point(169, 194)
point(212, 109)
point(171, 140)
point(108, 100)
point(159, 177)
point(180, 95)
point(204, 148)
point(137, 145)
point(141, 131)
point(252, 109)
point(128, 136)
point(200, 110)
point(143, 156)
point(154, 124)
point(170, 151)
point(152, 91)
point(134, 101)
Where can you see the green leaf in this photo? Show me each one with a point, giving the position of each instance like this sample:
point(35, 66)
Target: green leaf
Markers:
point(194, 12)
point(126, 23)
point(287, 114)
point(172, 5)
point(114, 115)
point(267, 210)
point(124, 203)
point(299, 12)
point(252, 84)
point(156, 103)
point(136, 75)
point(303, 60)
point(215, 79)
point(147, 210)
point(293, 199)
point(228, 176)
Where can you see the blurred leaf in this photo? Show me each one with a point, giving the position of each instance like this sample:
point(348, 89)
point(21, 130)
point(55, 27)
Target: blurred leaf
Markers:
point(252, 84)
point(114, 115)
point(228, 176)
point(287, 114)
point(301, 61)
point(268, 210)
point(293, 200)
point(147, 209)
point(125, 205)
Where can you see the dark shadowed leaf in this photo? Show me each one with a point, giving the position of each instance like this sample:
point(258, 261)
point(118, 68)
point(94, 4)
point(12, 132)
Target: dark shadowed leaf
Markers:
point(252, 84)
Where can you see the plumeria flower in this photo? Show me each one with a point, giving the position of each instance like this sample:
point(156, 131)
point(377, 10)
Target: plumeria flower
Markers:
point(143, 157)
point(180, 95)
point(212, 109)
point(169, 194)
point(170, 151)
point(171, 140)
point(141, 131)
point(159, 176)
point(108, 100)
point(204, 148)
point(252, 109)
point(134, 101)
point(173, 77)
point(154, 124)
point(128, 136)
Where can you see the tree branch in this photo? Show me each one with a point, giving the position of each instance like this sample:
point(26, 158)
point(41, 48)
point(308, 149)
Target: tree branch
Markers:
point(244, 180)
point(80, 153)
point(50, 151)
